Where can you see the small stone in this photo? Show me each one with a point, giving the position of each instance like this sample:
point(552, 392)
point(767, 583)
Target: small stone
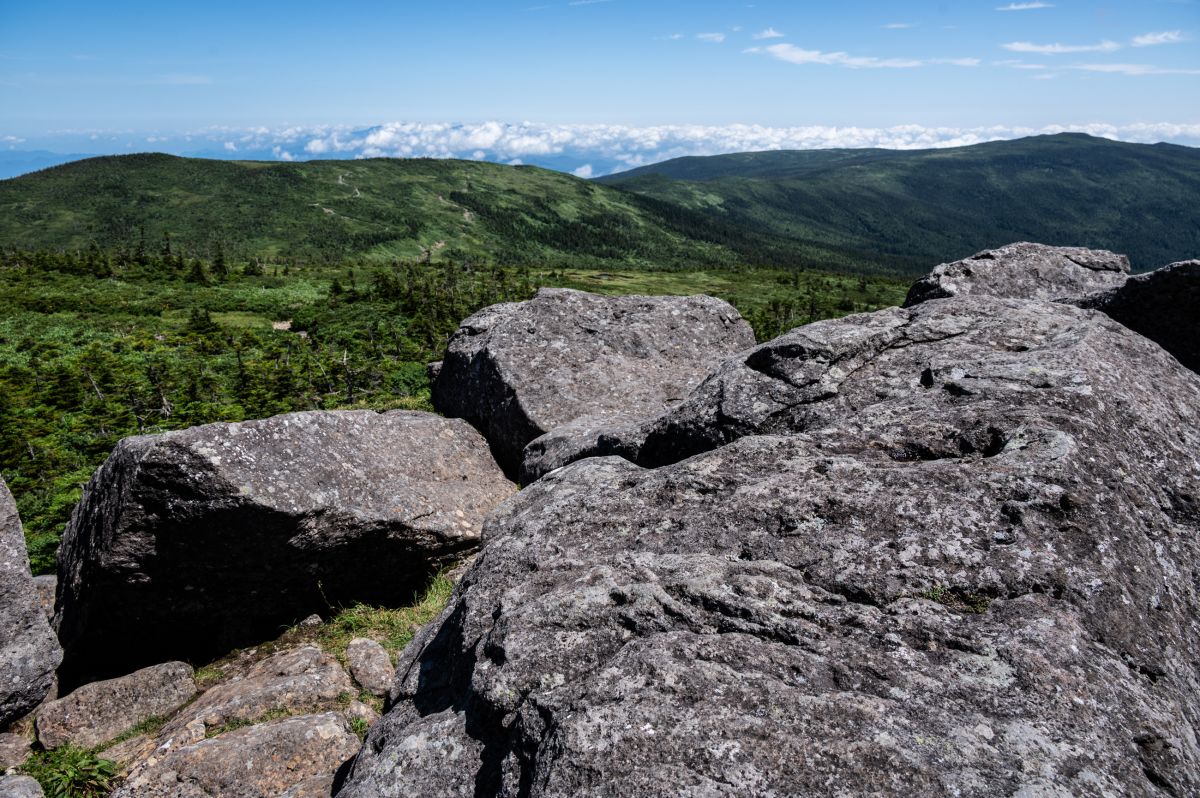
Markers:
point(370, 665)
point(312, 620)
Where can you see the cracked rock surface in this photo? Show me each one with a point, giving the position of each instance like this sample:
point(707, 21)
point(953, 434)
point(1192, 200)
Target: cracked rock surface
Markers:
point(190, 543)
point(944, 550)
point(519, 370)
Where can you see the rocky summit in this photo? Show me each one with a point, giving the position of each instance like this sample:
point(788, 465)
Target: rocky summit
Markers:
point(942, 550)
point(29, 652)
point(189, 543)
point(573, 360)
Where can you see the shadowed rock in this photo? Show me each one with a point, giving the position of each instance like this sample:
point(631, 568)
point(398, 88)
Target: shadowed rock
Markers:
point(29, 651)
point(961, 564)
point(101, 711)
point(190, 543)
point(519, 370)
point(1024, 271)
point(1163, 305)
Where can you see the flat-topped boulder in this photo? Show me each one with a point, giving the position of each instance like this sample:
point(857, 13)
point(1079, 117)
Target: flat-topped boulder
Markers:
point(1024, 271)
point(520, 370)
point(101, 711)
point(1163, 305)
point(295, 756)
point(29, 651)
point(190, 543)
point(952, 553)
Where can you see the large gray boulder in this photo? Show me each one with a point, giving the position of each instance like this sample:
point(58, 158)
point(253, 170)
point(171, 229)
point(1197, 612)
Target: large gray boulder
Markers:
point(100, 711)
point(190, 543)
point(520, 370)
point(1024, 271)
point(265, 761)
point(29, 651)
point(1163, 305)
point(963, 564)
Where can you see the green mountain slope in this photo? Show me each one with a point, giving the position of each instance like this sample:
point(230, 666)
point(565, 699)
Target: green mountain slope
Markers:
point(909, 209)
point(379, 209)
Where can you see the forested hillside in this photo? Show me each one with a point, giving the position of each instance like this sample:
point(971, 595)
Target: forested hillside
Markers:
point(98, 345)
point(912, 208)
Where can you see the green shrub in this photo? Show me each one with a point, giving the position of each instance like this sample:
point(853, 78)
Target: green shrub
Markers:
point(70, 772)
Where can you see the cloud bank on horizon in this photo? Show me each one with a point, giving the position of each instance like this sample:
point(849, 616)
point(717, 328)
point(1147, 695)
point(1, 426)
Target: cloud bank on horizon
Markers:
point(583, 149)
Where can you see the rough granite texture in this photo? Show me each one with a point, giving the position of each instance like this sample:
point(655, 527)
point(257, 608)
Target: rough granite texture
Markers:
point(293, 756)
point(1163, 305)
point(190, 543)
point(519, 370)
point(29, 651)
point(293, 681)
point(99, 711)
point(14, 750)
point(1024, 271)
point(964, 563)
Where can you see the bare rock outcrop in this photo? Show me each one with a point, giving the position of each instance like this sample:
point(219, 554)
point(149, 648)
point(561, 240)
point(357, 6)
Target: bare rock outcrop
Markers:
point(519, 370)
point(942, 550)
point(191, 543)
point(29, 651)
point(290, 756)
point(1024, 271)
point(100, 711)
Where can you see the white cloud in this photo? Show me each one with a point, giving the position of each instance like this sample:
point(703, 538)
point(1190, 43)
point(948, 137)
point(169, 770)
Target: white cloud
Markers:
point(1151, 39)
point(1024, 6)
point(899, 25)
point(1018, 65)
point(606, 148)
point(798, 55)
point(769, 33)
point(584, 171)
point(230, 146)
point(1060, 49)
point(1134, 69)
point(715, 38)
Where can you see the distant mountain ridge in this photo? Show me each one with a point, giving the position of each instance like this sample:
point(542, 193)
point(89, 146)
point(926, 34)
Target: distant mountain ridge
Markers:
point(872, 210)
point(913, 206)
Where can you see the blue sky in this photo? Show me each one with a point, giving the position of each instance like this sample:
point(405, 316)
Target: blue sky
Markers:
point(119, 75)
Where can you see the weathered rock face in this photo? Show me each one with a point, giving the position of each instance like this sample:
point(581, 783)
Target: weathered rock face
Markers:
point(1024, 271)
point(190, 543)
point(291, 682)
point(962, 561)
point(29, 651)
point(1163, 305)
point(100, 711)
point(265, 761)
point(519, 370)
